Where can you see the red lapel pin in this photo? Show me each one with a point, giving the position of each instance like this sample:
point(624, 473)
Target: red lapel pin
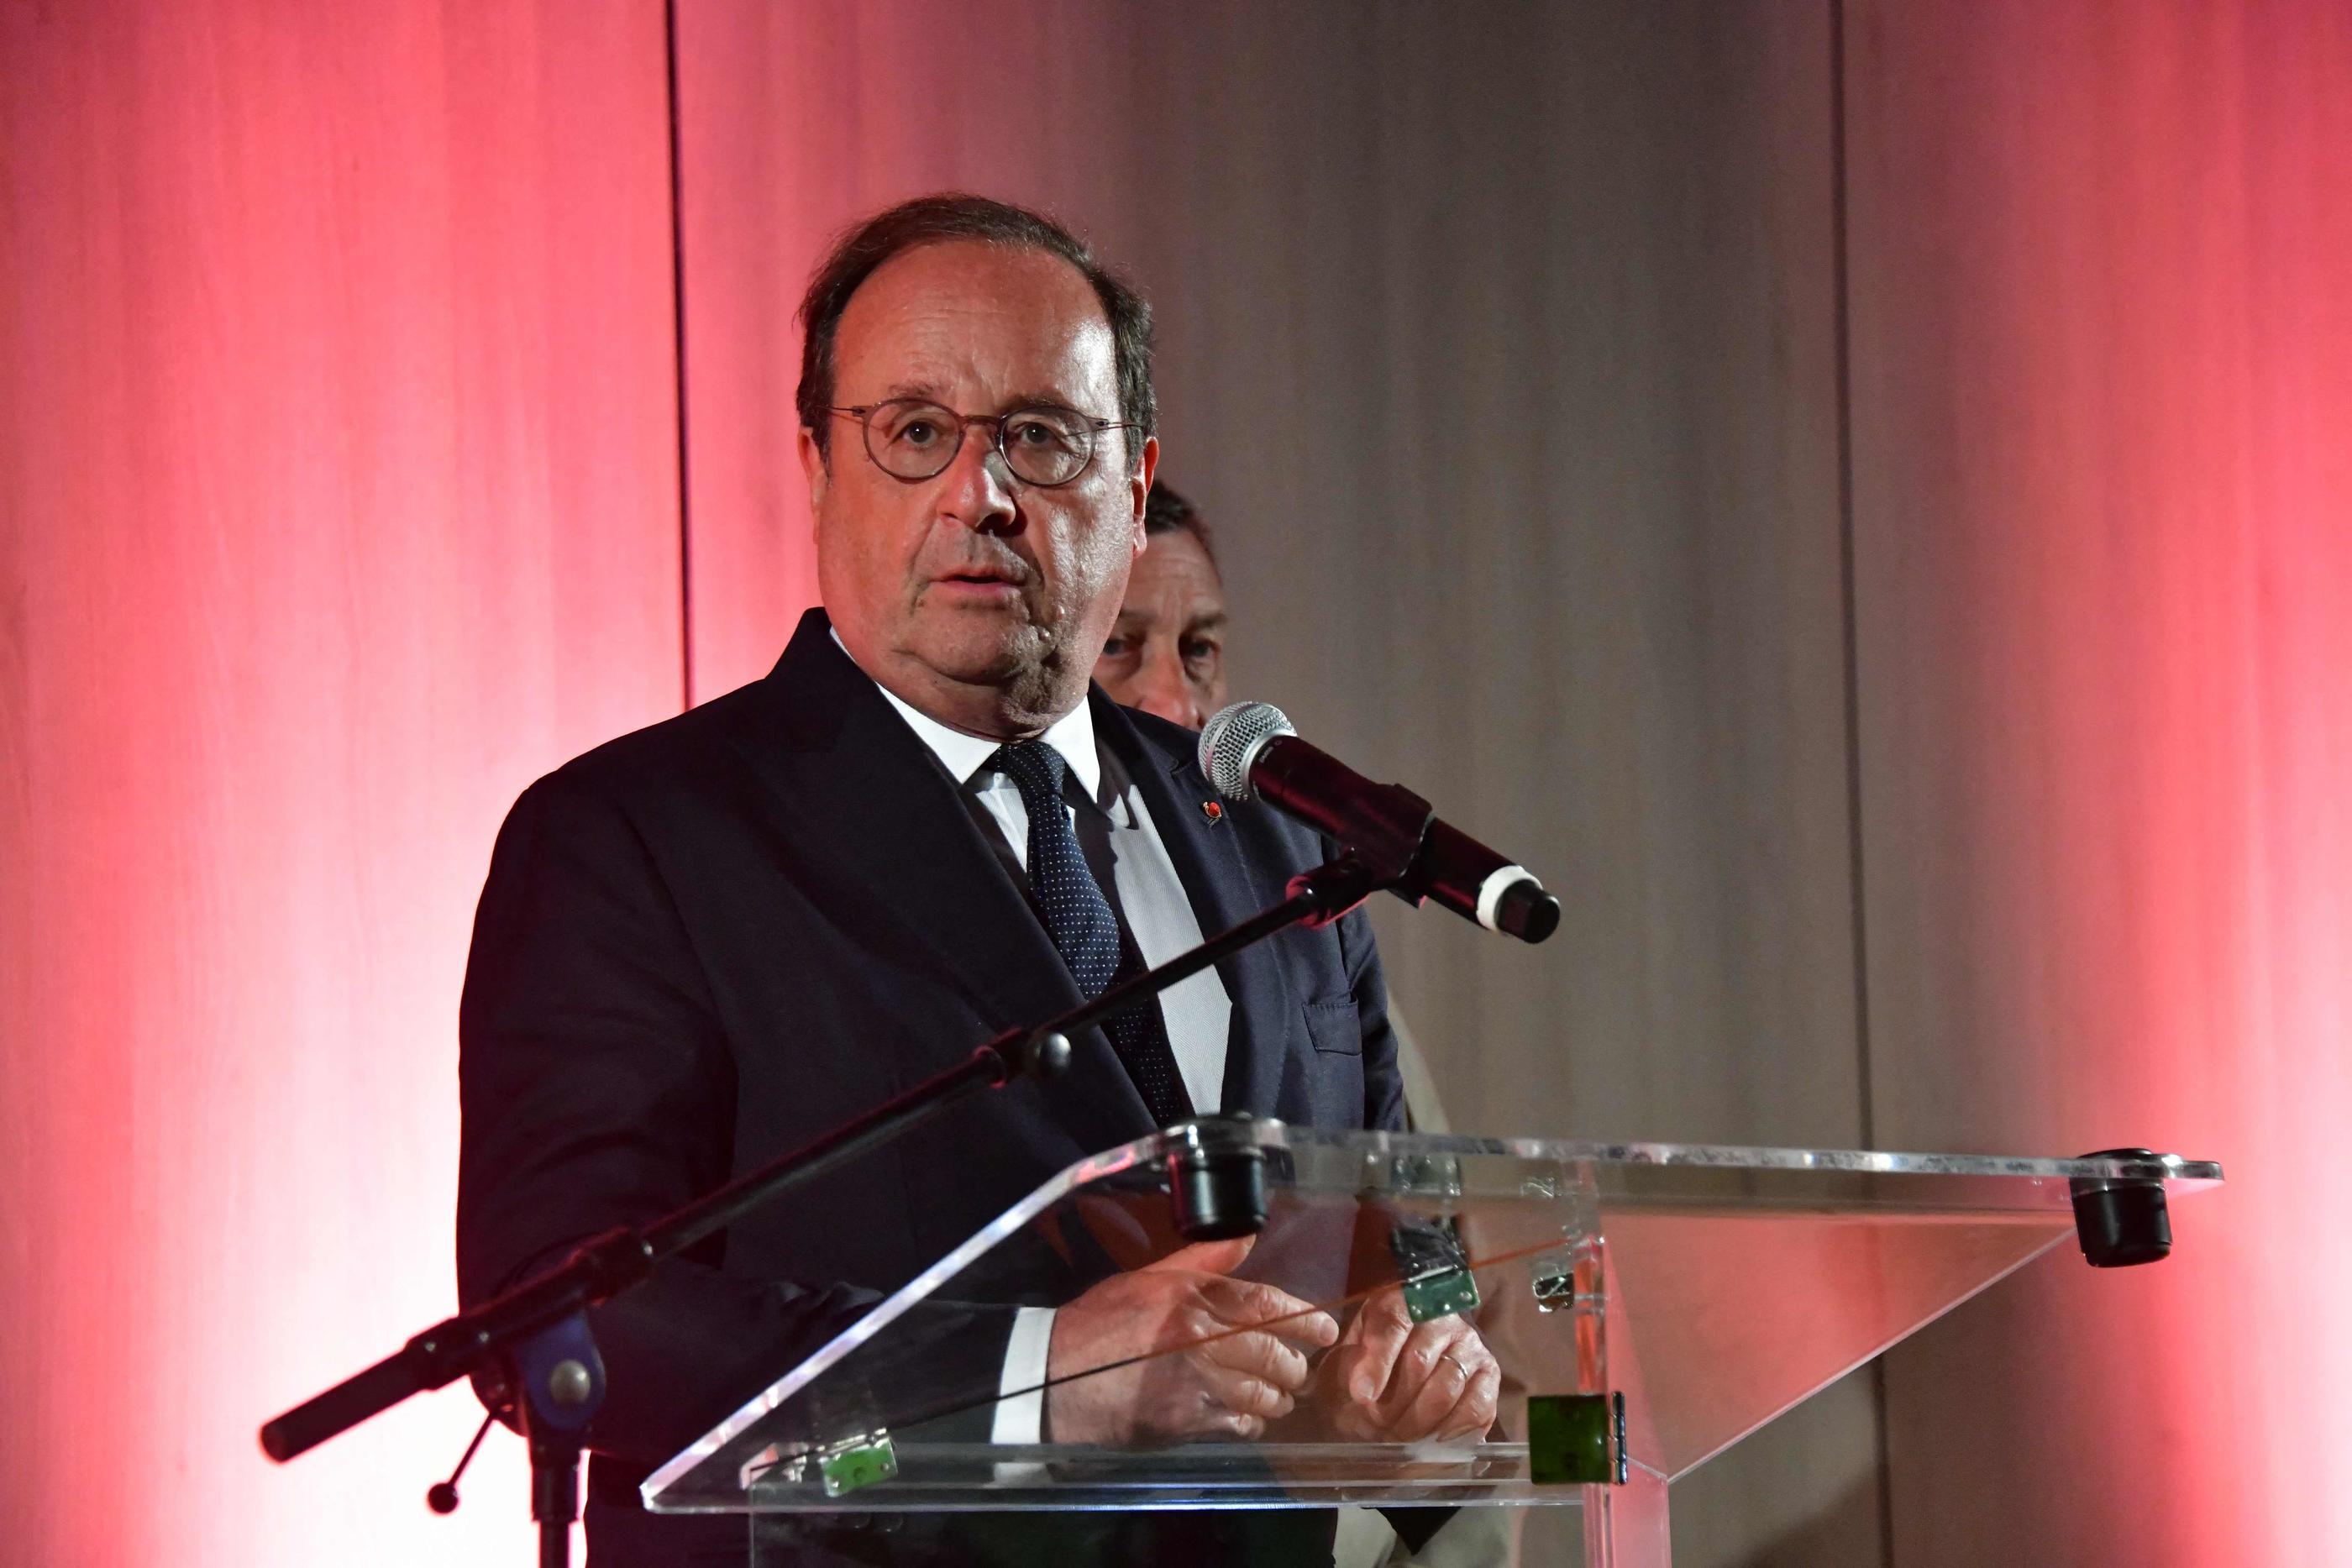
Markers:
point(1214, 812)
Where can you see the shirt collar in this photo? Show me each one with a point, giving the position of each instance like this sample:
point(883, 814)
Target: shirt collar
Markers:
point(964, 756)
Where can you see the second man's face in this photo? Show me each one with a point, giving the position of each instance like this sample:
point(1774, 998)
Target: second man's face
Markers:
point(979, 599)
point(1166, 654)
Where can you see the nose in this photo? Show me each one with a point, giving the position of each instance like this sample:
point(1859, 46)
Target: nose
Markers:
point(1161, 689)
point(976, 490)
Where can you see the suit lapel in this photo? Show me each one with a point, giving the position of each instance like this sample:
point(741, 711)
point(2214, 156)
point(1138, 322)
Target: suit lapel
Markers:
point(903, 862)
point(1224, 891)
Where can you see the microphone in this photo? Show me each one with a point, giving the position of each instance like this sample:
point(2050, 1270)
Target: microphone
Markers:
point(1250, 749)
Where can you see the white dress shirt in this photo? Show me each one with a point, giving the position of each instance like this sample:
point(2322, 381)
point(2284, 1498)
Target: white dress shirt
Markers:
point(1115, 834)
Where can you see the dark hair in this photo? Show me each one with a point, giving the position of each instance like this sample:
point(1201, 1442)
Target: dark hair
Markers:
point(953, 215)
point(1167, 512)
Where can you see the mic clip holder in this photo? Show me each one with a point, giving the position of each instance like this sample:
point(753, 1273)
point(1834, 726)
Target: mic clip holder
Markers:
point(1383, 853)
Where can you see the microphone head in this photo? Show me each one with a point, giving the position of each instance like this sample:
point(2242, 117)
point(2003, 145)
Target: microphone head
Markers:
point(1231, 741)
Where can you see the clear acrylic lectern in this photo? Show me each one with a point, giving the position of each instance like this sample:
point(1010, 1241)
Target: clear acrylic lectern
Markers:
point(1648, 1306)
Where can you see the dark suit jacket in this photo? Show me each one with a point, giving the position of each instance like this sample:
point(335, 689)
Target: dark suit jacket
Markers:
point(706, 943)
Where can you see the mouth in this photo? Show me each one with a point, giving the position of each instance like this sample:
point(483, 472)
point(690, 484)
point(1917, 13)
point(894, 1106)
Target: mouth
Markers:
point(979, 580)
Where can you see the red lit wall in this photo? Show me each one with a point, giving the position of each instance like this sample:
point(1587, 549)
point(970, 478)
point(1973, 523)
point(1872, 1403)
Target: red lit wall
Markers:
point(338, 500)
point(2102, 349)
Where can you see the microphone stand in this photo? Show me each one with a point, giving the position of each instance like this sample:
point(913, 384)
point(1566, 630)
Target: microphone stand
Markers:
point(533, 1335)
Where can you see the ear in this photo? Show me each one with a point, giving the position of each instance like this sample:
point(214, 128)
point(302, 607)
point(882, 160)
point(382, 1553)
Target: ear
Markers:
point(1139, 486)
point(813, 469)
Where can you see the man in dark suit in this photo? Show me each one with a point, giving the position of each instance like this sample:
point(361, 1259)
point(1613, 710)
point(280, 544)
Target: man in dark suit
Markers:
point(704, 943)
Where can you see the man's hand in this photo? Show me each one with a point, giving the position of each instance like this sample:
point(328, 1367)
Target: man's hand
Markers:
point(1229, 1387)
point(1392, 1380)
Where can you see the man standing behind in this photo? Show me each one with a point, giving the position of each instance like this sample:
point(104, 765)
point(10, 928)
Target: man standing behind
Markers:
point(1166, 649)
point(1166, 655)
point(707, 942)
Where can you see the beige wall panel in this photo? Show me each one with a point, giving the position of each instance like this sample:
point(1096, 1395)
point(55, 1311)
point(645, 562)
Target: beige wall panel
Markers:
point(1499, 346)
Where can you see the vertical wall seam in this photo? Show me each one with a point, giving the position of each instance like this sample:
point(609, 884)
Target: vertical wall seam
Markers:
point(1842, 333)
point(677, 357)
point(1843, 309)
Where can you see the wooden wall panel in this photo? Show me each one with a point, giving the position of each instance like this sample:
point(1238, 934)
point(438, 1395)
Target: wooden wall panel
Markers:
point(338, 498)
point(794, 122)
point(2103, 381)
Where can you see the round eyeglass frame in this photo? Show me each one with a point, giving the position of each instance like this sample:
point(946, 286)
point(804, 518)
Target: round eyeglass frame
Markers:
point(863, 412)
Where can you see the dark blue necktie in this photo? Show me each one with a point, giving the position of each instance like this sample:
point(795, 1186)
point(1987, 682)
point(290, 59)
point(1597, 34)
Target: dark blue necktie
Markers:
point(1086, 930)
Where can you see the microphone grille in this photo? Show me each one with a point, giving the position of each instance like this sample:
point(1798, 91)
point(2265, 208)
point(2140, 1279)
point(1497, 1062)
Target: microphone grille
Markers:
point(1231, 741)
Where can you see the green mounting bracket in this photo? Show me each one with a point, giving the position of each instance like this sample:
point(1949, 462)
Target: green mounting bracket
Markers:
point(1575, 1439)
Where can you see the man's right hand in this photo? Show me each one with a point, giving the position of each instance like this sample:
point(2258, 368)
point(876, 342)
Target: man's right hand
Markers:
point(1226, 1383)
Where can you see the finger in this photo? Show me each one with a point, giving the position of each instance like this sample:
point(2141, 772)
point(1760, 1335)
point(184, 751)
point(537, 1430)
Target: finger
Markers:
point(1474, 1414)
point(1385, 1327)
point(1248, 1303)
point(1200, 1412)
point(1358, 1421)
point(1205, 1257)
point(1182, 1398)
point(1432, 1375)
point(1260, 1354)
point(1245, 1394)
point(1337, 1376)
point(1415, 1360)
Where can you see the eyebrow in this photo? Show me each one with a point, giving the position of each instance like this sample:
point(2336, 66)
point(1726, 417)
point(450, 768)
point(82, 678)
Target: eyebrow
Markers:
point(1037, 398)
point(930, 393)
point(1208, 622)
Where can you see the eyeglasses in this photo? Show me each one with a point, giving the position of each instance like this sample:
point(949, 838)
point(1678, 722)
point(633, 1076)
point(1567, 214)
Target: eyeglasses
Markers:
point(912, 440)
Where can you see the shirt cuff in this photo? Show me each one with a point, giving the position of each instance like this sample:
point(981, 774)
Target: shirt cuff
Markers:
point(1020, 1390)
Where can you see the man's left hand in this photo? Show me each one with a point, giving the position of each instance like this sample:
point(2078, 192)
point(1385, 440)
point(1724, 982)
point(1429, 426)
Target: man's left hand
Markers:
point(1391, 1380)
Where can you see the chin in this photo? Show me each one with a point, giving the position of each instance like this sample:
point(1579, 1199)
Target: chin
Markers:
point(991, 650)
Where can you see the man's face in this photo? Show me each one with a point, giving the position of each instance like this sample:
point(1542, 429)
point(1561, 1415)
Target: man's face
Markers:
point(978, 599)
point(1167, 650)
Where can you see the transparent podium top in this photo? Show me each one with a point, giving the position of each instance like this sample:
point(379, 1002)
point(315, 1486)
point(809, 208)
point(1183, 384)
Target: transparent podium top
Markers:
point(1242, 1313)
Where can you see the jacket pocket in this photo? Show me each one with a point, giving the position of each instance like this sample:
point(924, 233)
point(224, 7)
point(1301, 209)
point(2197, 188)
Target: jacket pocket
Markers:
point(1334, 1027)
